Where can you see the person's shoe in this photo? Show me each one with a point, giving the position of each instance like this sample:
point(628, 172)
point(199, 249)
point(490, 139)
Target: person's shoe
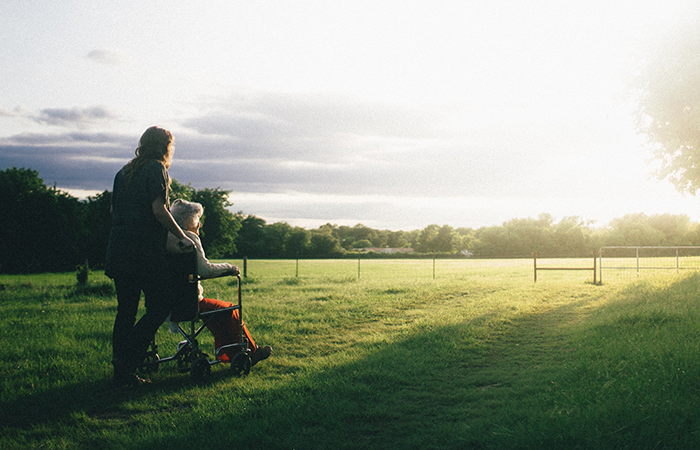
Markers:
point(129, 380)
point(123, 377)
point(260, 354)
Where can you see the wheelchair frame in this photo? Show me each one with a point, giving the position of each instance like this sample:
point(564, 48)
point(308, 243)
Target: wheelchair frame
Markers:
point(189, 356)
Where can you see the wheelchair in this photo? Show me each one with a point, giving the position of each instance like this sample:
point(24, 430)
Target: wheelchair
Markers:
point(190, 357)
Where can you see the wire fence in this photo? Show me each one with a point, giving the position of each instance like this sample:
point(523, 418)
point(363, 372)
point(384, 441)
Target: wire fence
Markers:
point(265, 270)
point(624, 262)
point(613, 264)
point(387, 269)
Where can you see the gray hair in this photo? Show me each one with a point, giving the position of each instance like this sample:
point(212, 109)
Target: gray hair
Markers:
point(185, 213)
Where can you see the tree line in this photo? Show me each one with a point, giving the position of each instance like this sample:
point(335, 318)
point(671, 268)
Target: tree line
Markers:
point(47, 230)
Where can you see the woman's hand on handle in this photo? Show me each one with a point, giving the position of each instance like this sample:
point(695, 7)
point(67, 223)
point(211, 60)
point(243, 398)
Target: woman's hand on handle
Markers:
point(186, 244)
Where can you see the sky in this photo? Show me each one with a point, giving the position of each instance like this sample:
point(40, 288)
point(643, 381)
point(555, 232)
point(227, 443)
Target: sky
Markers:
point(392, 114)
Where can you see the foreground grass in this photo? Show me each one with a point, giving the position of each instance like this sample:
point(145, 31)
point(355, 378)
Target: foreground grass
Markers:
point(477, 357)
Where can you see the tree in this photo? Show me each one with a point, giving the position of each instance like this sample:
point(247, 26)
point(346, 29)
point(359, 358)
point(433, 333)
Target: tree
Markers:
point(179, 190)
point(640, 229)
point(362, 243)
point(633, 229)
point(43, 229)
point(667, 91)
point(425, 238)
point(397, 239)
point(364, 233)
point(323, 244)
point(219, 225)
point(98, 225)
point(250, 241)
point(675, 228)
point(443, 241)
point(466, 238)
point(297, 244)
point(438, 239)
point(571, 237)
point(276, 237)
point(531, 234)
point(496, 241)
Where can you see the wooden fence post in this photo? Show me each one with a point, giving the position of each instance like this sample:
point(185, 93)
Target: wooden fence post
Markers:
point(595, 269)
point(534, 258)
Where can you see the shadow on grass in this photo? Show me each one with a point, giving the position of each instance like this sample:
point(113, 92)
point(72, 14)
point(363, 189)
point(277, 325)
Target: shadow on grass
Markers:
point(99, 398)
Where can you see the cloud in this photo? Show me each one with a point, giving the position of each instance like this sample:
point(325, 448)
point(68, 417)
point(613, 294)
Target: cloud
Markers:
point(317, 143)
point(107, 57)
point(285, 115)
point(75, 139)
point(310, 118)
point(263, 142)
point(71, 160)
point(80, 117)
point(17, 112)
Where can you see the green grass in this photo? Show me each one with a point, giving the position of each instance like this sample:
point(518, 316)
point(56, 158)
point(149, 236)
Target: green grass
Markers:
point(477, 356)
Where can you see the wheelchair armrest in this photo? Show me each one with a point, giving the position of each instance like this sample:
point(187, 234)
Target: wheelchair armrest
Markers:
point(225, 274)
point(215, 312)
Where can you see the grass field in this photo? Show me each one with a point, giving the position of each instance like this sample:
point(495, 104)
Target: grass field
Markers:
point(376, 355)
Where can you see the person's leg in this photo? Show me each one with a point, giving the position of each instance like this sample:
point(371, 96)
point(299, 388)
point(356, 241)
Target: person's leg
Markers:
point(157, 310)
point(257, 354)
point(234, 326)
point(225, 329)
point(220, 326)
point(128, 296)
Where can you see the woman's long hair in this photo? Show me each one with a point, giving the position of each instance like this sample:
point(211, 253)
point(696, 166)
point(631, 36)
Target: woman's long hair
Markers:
point(155, 144)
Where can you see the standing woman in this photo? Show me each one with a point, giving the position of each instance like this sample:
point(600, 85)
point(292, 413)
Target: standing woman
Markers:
point(136, 252)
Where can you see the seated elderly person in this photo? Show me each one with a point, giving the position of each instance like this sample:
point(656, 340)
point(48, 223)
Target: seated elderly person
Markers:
point(187, 215)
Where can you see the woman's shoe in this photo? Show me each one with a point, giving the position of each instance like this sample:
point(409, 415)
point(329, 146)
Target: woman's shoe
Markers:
point(260, 354)
point(123, 377)
point(130, 380)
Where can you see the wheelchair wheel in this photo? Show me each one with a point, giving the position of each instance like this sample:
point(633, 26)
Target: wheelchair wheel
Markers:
point(241, 364)
point(200, 368)
point(150, 364)
point(185, 357)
